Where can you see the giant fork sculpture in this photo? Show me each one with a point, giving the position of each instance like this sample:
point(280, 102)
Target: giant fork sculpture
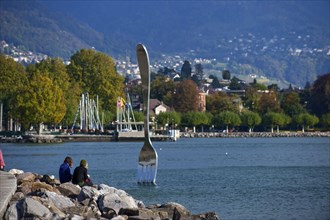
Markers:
point(148, 158)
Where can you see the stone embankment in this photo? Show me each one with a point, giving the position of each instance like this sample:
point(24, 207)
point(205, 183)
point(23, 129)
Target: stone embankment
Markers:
point(43, 197)
point(253, 134)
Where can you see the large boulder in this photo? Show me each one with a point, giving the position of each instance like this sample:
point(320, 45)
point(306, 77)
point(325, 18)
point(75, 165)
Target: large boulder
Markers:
point(26, 177)
point(69, 190)
point(88, 192)
point(80, 212)
point(142, 213)
point(206, 216)
point(114, 202)
point(131, 202)
point(28, 208)
point(49, 180)
point(15, 171)
point(59, 201)
point(28, 187)
point(174, 210)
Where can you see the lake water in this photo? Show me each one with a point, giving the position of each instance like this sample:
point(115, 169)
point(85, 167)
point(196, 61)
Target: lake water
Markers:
point(239, 178)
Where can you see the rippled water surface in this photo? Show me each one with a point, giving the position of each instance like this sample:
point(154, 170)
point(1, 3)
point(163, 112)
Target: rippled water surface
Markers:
point(239, 178)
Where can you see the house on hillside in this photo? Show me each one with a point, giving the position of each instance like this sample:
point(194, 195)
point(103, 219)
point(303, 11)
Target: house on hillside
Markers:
point(157, 107)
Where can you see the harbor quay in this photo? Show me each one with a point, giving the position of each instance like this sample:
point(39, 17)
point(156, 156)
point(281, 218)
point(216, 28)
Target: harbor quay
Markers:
point(136, 136)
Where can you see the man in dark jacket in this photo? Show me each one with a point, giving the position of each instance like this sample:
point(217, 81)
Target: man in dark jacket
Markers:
point(65, 170)
point(80, 176)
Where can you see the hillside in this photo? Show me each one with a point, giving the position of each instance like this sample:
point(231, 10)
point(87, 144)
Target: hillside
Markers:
point(286, 40)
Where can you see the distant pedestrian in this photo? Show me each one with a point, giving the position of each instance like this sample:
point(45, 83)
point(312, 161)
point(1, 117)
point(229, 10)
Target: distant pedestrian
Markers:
point(80, 176)
point(65, 170)
point(2, 161)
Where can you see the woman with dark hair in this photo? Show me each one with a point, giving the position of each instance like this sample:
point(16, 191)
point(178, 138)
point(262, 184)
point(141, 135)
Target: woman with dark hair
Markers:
point(65, 170)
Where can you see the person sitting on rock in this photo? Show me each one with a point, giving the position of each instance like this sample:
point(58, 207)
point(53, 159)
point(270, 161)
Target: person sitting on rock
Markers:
point(65, 170)
point(80, 176)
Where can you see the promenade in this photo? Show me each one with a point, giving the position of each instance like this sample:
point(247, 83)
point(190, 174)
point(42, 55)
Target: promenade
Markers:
point(8, 185)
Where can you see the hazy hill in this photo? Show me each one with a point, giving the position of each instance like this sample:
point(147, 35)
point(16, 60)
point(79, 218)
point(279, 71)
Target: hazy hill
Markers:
point(288, 40)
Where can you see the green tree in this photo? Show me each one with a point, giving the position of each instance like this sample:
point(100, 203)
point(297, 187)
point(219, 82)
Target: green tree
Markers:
point(251, 99)
point(226, 74)
point(96, 74)
point(168, 118)
point(56, 70)
point(219, 102)
point(199, 74)
point(290, 103)
point(12, 80)
point(325, 120)
point(234, 84)
point(41, 101)
point(138, 116)
point(250, 119)
point(306, 120)
point(195, 118)
point(215, 82)
point(228, 119)
point(186, 96)
point(258, 86)
point(320, 95)
point(273, 119)
point(162, 88)
point(186, 70)
point(268, 103)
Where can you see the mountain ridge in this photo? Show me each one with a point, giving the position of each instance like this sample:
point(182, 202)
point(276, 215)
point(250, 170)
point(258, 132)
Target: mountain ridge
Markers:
point(227, 32)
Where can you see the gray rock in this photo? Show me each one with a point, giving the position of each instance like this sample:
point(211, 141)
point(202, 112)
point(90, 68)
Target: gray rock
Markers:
point(69, 190)
point(13, 211)
point(112, 201)
point(27, 187)
point(59, 201)
point(206, 216)
point(142, 213)
point(105, 189)
point(88, 192)
point(32, 207)
point(15, 171)
point(83, 211)
point(120, 217)
point(26, 177)
point(17, 196)
point(173, 209)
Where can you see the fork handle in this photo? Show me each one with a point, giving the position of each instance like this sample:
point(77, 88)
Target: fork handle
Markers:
point(144, 66)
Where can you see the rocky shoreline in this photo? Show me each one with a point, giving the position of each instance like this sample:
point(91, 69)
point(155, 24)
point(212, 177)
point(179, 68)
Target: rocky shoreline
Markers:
point(106, 138)
point(253, 134)
point(44, 197)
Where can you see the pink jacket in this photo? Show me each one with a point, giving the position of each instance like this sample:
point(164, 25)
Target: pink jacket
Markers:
point(2, 162)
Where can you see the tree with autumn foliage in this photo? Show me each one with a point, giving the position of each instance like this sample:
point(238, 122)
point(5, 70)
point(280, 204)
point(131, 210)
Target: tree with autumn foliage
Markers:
point(217, 102)
point(12, 80)
point(186, 96)
point(55, 69)
point(162, 88)
point(290, 104)
point(268, 103)
point(40, 101)
point(96, 74)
